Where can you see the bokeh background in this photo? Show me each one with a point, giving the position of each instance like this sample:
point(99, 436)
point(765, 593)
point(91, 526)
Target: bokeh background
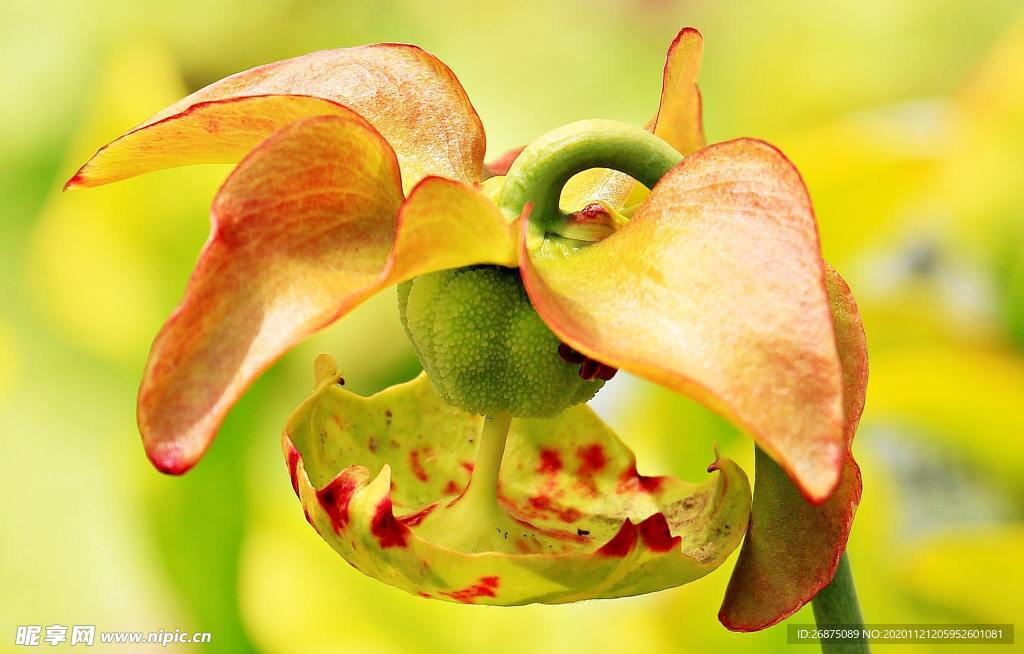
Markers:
point(906, 118)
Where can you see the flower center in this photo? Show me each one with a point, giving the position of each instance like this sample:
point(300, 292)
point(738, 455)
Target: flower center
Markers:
point(537, 176)
point(478, 337)
point(485, 348)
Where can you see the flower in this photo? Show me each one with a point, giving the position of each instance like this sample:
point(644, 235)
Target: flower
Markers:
point(362, 168)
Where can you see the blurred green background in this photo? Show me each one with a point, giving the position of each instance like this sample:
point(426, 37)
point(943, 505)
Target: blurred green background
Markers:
point(906, 118)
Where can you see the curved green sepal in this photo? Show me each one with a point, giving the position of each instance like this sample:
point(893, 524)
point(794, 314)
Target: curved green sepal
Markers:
point(380, 479)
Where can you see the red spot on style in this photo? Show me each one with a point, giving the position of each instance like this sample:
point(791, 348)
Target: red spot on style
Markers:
point(571, 536)
point(486, 587)
point(656, 535)
point(622, 542)
point(631, 481)
point(592, 459)
point(334, 497)
point(414, 519)
point(650, 484)
point(592, 212)
point(293, 467)
point(550, 461)
point(543, 503)
point(451, 488)
point(572, 514)
point(388, 531)
point(417, 466)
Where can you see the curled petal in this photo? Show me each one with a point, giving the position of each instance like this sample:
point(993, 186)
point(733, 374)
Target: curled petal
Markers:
point(793, 547)
point(381, 479)
point(678, 121)
point(308, 225)
point(715, 289)
point(409, 96)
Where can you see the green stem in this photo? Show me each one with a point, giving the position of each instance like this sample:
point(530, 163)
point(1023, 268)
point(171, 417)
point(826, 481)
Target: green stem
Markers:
point(837, 606)
point(482, 494)
point(484, 524)
point(543, 168)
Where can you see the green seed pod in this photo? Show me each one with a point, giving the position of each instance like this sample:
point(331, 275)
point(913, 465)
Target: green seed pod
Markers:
point(485, 348)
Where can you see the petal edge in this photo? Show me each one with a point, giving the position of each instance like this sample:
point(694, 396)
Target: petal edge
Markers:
point(792, 548)
point(309, 225)
point(639, 301)
point(412, 98)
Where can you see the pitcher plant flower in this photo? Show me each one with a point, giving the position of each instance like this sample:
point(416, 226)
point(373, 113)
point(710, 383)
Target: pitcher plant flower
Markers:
point(523, 286)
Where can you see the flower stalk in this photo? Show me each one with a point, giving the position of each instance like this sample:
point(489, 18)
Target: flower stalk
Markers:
point(837, 606)
point(486, 525)
point(481, 496)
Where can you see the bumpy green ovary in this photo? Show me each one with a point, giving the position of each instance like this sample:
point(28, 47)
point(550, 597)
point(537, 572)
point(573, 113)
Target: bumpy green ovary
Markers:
point(485, 348)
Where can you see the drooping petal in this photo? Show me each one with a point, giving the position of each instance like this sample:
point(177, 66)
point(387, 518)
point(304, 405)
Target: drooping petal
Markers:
point(381, 479)
point(304, 230)
point(409, 96)
point(715, 289)
point(678, 121)
point(214, 131)
point(793, 547)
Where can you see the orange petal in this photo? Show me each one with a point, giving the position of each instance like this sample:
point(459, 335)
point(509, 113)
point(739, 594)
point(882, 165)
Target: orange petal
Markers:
point(303, 230)
point(716, 289)
point(679, 120)
point(214, 131)
point(409, 96)
point(852, 345)
point(447, 224)
point(793, 547)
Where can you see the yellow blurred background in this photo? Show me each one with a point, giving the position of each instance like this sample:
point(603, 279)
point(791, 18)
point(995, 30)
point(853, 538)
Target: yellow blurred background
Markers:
point(906, 119)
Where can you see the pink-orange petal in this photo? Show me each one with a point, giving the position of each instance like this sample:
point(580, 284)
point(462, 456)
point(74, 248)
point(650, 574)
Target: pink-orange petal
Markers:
point(409, 96)
point(213, 131)
point(715, 288)
point(311, 223)
point(448, 224)
point(679, 120)
point(793, 547)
